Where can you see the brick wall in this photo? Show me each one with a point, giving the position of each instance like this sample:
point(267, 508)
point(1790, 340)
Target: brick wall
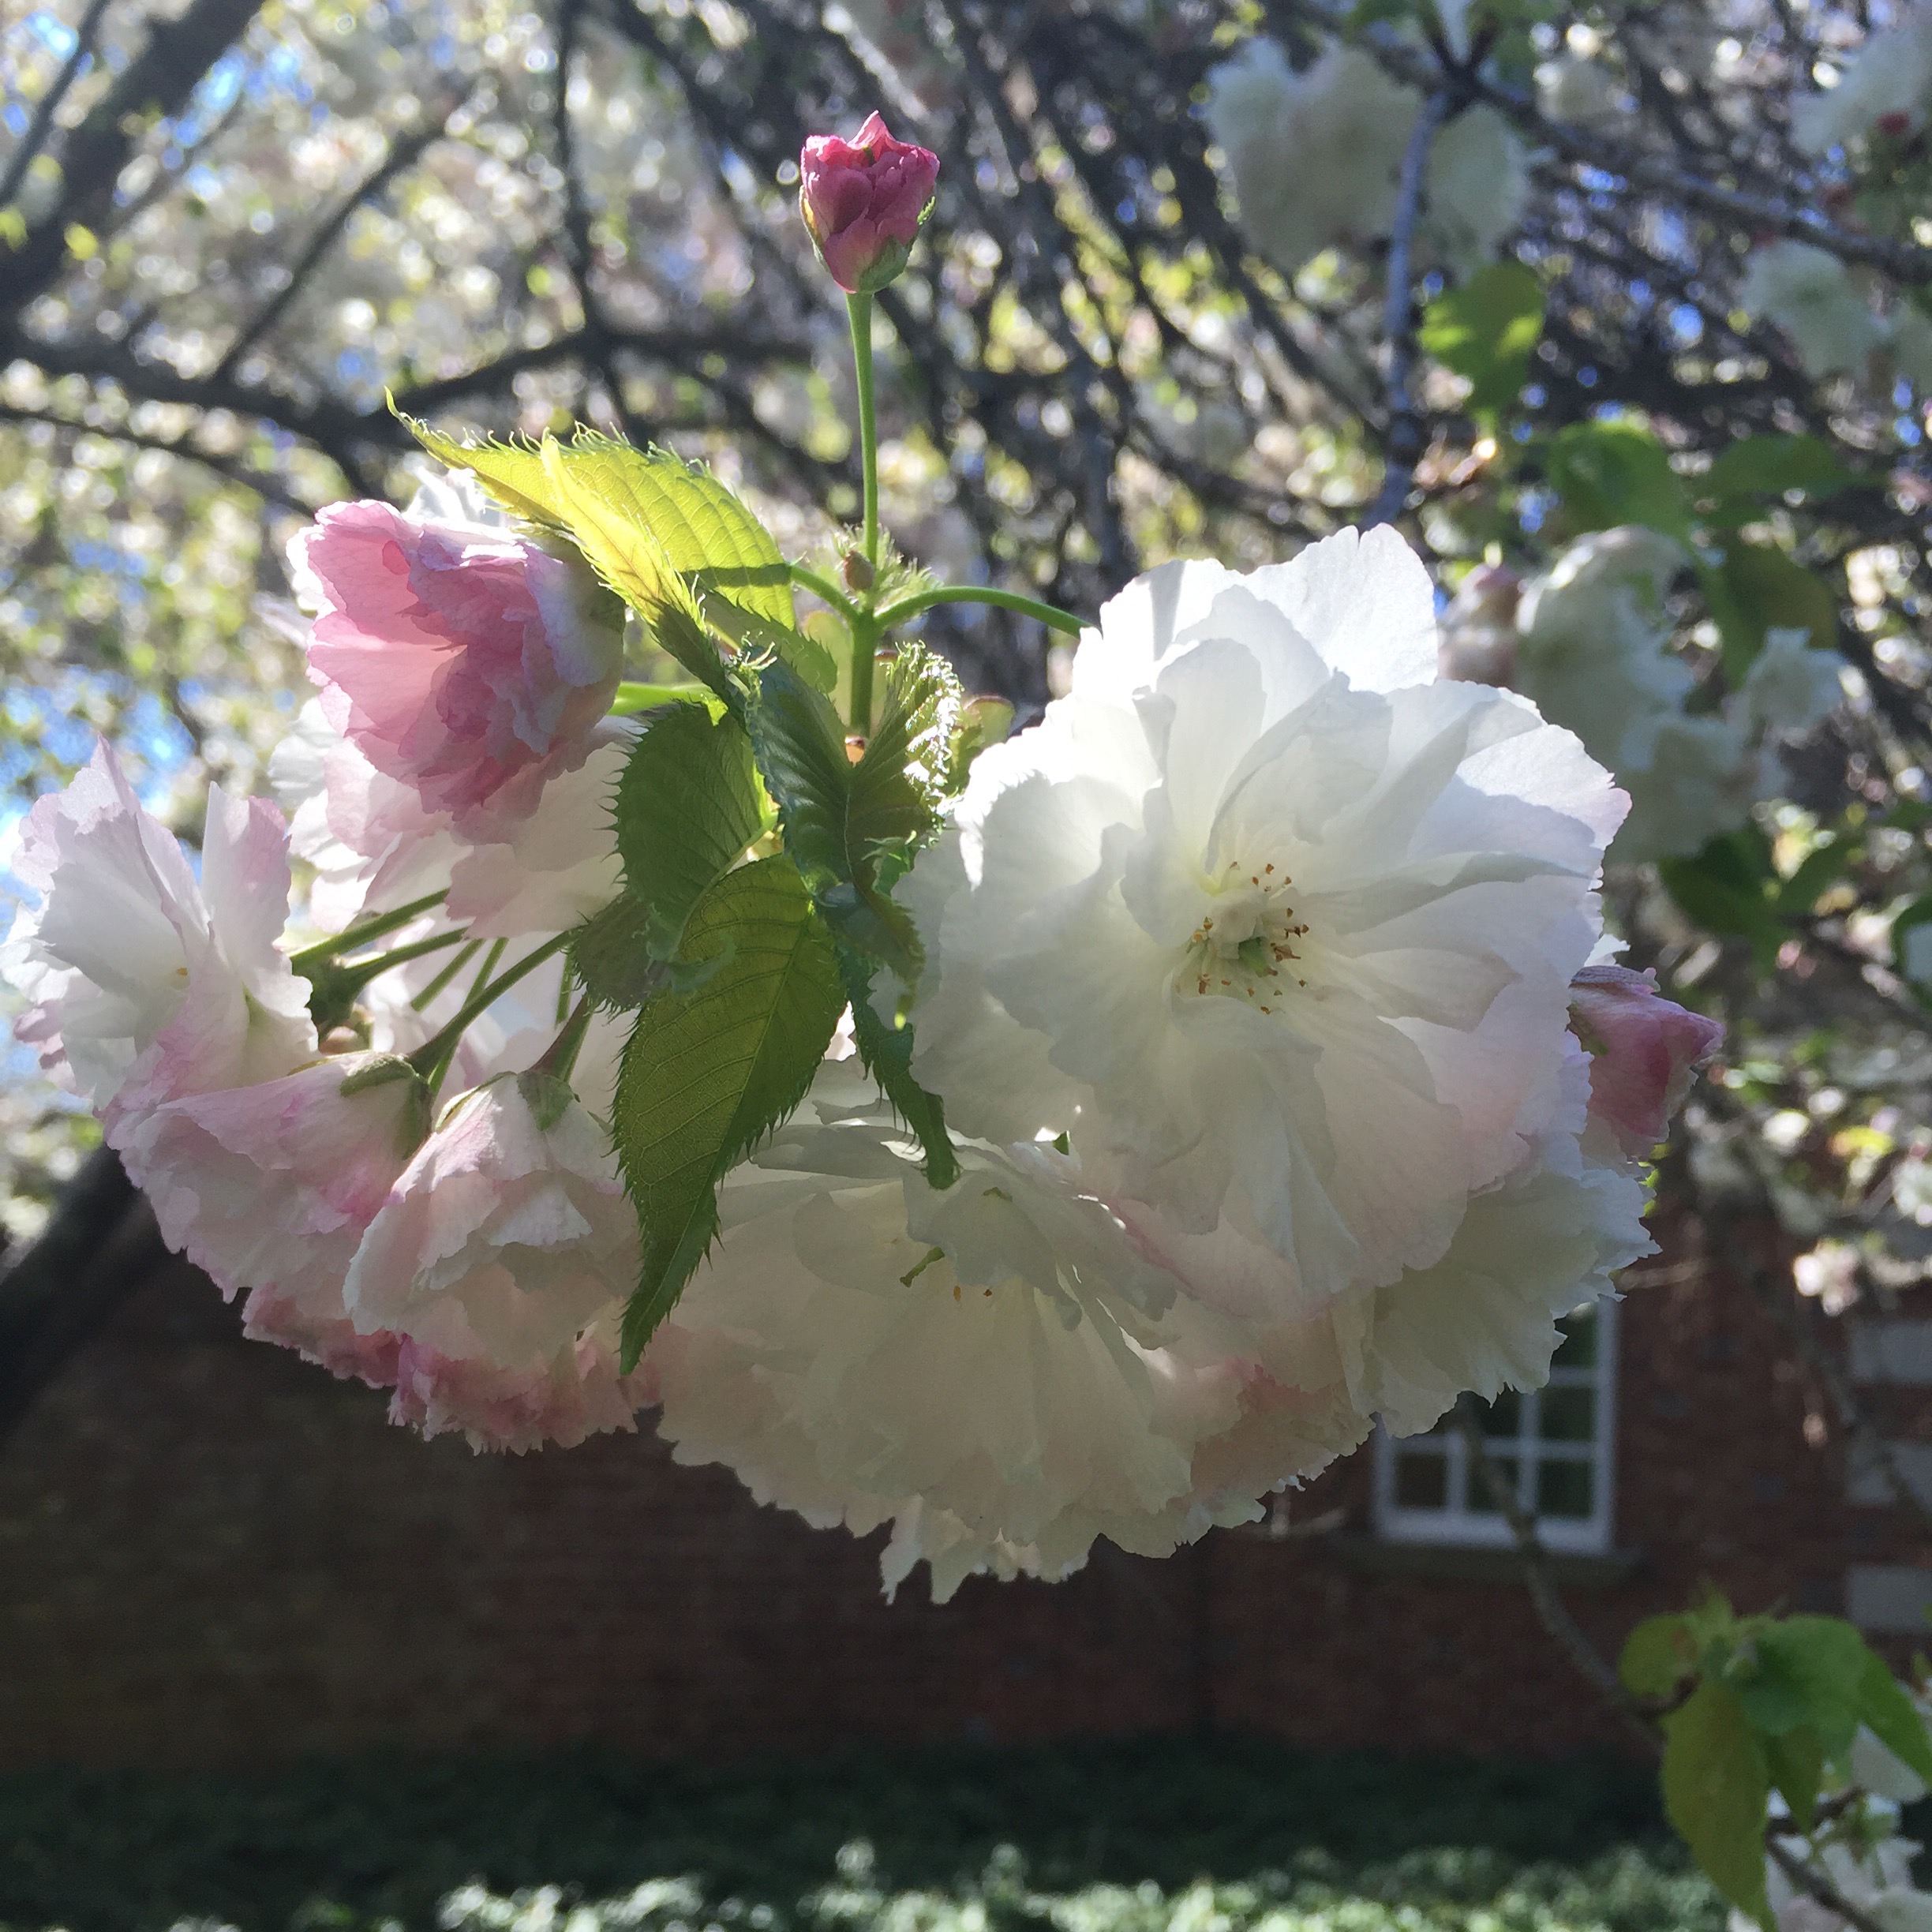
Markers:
point(211, 1553)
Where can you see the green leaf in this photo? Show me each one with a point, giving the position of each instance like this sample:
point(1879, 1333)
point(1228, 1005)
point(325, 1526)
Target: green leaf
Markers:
point(707, 1072)
point(1808, 1671)
point(1487, 331)
point(513, 473)
point(1891, 1716)
point(805, 654)
point(1612, 472)
point(1817, 872)
point(1716, 1784)
point(609, 518)
point(1771, 464)
point(1657, 1655)
point(612, 955)
point(1723, 888)
point(688, 806)
point(853, 828)
point(1757, 588)
point(633, 697)
point(887, 1052)
point(1796, 1762)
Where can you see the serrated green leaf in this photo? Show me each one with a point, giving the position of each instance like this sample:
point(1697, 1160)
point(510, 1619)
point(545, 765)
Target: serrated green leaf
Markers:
point(1892, 1717)
point(1487, 330)
point(707, 1073)
point(1612, 472)
point(1716, 1786)
point(810, 658)
point(1809, 1670)
point(613, 957)
point(1796, 1762)
point(887, 1052)
point(688, 806)
point(853, 828)
point(610, 520)
point(512, 473)
point(706, 531)
point(1657, 1655)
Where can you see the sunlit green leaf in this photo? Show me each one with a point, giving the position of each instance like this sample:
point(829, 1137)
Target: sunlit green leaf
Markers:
point(1487, 330)
point(1716, 1784)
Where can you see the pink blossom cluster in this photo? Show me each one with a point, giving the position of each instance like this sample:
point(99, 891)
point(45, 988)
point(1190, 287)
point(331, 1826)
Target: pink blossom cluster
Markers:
point(469, 1248)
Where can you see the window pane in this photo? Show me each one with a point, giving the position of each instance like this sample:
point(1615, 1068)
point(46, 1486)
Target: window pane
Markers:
point(1503, 1417)
point(1422, 1481)
point(1579, 1346)
point(1565, 1489)
point(1569, 1415)
point(1479, 1502)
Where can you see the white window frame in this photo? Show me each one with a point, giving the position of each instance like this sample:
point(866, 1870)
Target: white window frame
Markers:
point(1457, 1522)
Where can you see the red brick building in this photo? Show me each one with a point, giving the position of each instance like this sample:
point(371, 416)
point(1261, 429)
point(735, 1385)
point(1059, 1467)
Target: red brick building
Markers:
point(212, 1554)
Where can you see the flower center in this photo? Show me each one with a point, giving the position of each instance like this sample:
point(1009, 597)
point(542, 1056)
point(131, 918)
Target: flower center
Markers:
point(1246, 947)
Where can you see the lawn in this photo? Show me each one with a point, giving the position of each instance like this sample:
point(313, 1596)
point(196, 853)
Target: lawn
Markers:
point(1153, 1836)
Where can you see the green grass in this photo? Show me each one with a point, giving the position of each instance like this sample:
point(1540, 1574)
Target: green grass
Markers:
point(1154, 1835)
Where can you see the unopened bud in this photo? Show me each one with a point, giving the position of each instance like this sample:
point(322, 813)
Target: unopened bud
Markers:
point(857, 570)
point(864, 202)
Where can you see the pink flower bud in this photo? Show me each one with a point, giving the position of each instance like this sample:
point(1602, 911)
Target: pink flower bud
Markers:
point(864, 202)
point(1643, 1049)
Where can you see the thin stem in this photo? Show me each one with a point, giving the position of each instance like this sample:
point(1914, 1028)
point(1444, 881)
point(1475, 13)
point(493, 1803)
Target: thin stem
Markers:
point(448, 973)
point(324, 950)
point(1048, 614)
point(432, 1058)
point(1405, 429)
point(824, 589)
point(859, 312)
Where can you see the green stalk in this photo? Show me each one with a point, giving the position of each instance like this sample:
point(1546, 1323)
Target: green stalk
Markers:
point(823, 589)
point(864, 629)
point(431, 1059)
point(448, 973)
point(561, 1056)
point(324, 950)
point(1048, 614)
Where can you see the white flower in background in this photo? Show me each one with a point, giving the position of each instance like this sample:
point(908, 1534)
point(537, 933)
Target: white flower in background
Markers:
point(145, 983)
point(1479, 628)
point(1703, 776)
point(1828, 1275)
point(1808, 294)
point(1477, 188)
point(1790, 687)
point(1888, 80)
point(1862, 1854)
point(1270, 916)
point(1315, 157)
point(1580, 90)
point(992, 1368)
point(506, 1236)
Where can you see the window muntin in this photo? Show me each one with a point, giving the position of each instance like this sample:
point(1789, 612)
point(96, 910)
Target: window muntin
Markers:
point(1556, 1443)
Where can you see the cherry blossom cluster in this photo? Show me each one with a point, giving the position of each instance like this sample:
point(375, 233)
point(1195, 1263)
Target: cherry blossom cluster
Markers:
point(1261, 991)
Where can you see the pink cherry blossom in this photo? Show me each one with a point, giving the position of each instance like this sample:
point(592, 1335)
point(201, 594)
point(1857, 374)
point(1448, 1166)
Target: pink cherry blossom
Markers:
point(334, 1342)
point(506, 1236)
point(469, 662)
point(865, 201)
point(272, 1186)
point(576, 1394)
point(1644, 1051)
point(146, 984)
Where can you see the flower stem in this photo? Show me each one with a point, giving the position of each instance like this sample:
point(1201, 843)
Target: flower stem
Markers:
point(859, 312)
point(865, 630)
point(823, 589)
point(1048, 614)
point(326, 950)
point(431, 1059)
